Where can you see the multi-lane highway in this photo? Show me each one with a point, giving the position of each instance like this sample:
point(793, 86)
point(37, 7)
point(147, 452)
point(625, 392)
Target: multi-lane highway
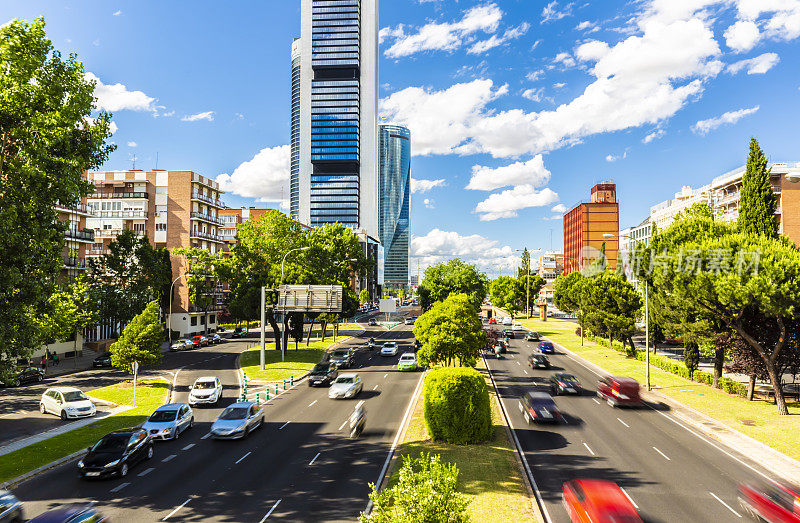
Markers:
point(669, 471)
point(300, 466)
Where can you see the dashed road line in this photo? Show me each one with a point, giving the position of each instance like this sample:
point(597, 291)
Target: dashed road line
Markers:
point(270, 511)
point(343, 424)
point(145, 472)
point(525, 371)
point(596, 400)
point(169, 458)
point(281, 427)
point(588, 448)
point(520, 364)
point(375, 387)
point(176, 509)
point(242, 458)
point(119, 487)
point(384, 376)
point(208, 435)
point(665, 456)
point(187, 447)
point(618, 419)
point(725, 505)
point(312, 403)
point(315, 459)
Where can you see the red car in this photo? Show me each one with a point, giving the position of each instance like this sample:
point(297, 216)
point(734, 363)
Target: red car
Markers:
point(771, 502)
point(492, 321)
point(619, 391)
point(598, 501)
point(199, 341)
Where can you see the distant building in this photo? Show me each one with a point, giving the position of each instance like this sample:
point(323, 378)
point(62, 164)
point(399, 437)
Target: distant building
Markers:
point(232, 218)
point(551, 266)
point(628, 239)
point(372, 281)
point(413, 280)
point(586, 226)
point(394, 183)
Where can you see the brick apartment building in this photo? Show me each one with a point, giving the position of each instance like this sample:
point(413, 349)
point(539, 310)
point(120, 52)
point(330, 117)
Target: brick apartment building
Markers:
point(551, 266)
point(585, 226)
point(232, 218)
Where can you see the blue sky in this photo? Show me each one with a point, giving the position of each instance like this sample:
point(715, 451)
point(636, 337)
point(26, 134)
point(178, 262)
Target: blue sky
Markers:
point(516, 107)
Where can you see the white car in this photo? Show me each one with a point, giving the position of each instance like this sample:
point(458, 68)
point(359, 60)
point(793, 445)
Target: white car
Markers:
point(347, 385)
point(67, 402)
point(508, 321)
point(205, 391)
point(389, 349)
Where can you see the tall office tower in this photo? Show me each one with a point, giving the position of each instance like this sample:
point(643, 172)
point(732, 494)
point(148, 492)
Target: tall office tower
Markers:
point(338, 175)
point(394, 188)
point(294, 181)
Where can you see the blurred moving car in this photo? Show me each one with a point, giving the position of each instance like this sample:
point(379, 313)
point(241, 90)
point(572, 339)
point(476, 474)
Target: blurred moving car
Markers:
point(347, 385)
point(771, 502)
point(10, 507)
point(26, 375)
point(181, 344)
point(74, 513)
point(322, 374)
point(116, 453)
point(389, 349)
point(507, 320)
point(342, 358)
point(532, 336)
point(538, 361)
point(547, 347)
point(239, 332)
point(508, 333)
point(409, 320)
point(372, 322)
point(215, 338)
point(199, 341)
point(619, 391)
point(540, 407)
point(205, 391)
point(499, 348)
point(564, 383)
point(492, 321)
point(169, 421)
point(594, 500)
point(407, 362)
point(238, 420)
point(67, 402)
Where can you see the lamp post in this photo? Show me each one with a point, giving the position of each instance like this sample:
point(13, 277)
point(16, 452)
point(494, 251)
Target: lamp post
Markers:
point(528, 284)
point(169, 318)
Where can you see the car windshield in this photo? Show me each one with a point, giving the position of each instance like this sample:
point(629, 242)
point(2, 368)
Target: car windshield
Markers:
point(233, 413)
point(205, 385)
point(321, 367)
point(340, 354)
point(407, 357)
point(567, 377)
point(74, 395)
point(161, 416)
point(346, 379)
point(112, 443)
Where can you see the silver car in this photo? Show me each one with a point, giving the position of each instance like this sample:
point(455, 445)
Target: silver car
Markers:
point(238, 420)
point(168, 421)
point(389, 349)
point(181, 345)
point(347, 385)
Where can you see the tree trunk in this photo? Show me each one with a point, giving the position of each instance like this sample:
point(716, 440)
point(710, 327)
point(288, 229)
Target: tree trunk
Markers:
point(285, 333)
point(719, 360)
point(777, 388)
point(276, 330)
point(751, 387)
point(611, 341)
point(324, 329)
point(310, 329)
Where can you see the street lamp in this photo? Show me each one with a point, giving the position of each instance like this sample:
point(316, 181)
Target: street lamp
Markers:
point(528, 285)
point(287, 254)
point(169, 318)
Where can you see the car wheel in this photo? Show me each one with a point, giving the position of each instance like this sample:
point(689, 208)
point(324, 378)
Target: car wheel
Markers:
point(16, 383)
point(191, 422)
point(63, 415)
point(149, 452)
point(39, 377)
point(177, 434)
point(42, 408)
point(123, 470)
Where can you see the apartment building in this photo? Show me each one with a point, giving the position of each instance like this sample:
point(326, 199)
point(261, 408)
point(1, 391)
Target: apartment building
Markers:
point(551, 266)
point(232, 218)
point(588, 226)
point(78, 237)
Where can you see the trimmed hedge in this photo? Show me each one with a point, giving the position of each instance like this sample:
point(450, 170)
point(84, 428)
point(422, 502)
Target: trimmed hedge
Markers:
point(457, 406)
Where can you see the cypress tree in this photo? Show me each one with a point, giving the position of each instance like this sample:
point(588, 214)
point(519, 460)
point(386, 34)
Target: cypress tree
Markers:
point(757, 204)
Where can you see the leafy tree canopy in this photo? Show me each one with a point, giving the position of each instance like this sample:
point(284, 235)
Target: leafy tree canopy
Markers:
point(140, 341)
point(453, 277)
point(450, 332)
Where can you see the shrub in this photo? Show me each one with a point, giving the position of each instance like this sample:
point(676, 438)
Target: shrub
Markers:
point(457, 405)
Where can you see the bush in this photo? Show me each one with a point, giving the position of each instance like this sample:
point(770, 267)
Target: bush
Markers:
point(457, 406)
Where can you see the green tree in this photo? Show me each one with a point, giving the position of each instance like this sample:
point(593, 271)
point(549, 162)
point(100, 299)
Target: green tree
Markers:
point(47, 140)
point(691, 357)
point(757, 204)
point(453, 277)
point(426, 490)
point(72, 311)
point(450, 332)
point(609, 307)
point(506, 293)
point(525, 264)
point(567, 295)
point(363, 296)
point(529, 291)
point(140, 341)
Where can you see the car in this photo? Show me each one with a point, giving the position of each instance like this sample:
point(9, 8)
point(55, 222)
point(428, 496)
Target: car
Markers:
point(102, 360)
point(407, 361)
point(347, 385)
point(342, 358)
point(181, 345)
point(492, 321)
point(515, 324)
point(619, 391)
point(322, 374)
point(547, 347)
point(538, 361)
point(508, 321)
point(67, 402)
point(205, 391)
point(539, 407)
point(169, 421)
point(532, 336)
point(10, 507)
point(215, 338)
point(199, 341)
point(564, 382)
point(389, 349)
point(372, 322)
point(239, 332)
point(116, 453)
point(772, 502)
point(500, 347)
point(587, 500)
point(71, 513)
point(26, 375)
point(238, 420)
point(508, 333)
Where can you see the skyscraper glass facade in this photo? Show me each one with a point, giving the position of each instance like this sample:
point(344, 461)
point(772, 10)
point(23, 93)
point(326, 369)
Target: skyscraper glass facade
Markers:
point(294, 180)
point(394, 185)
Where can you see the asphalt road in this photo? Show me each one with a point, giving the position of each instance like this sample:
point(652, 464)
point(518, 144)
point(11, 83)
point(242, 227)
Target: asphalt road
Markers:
point(669, 471)
point(300, 466)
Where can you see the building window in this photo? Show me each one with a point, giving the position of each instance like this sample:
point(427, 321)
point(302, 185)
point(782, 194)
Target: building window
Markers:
point(161, 227)
point(193, 321)
point(212, 318)
point(202, 320)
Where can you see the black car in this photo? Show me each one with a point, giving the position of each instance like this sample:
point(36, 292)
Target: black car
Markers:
point(239, 332)
point(563, 382)
point(539, 406)
point(104, 360)
point(116, 453)
point(538, 361)
point(215, 338)
point(322, 374)
point(372, 322)
point(73, 513)
point(27, 375)
point(10, 507)
point(342, 358)
point(532, 336)
point(508, 333)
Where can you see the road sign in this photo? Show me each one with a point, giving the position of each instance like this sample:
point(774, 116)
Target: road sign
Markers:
point(310, 298)
point(135, 367)
point(387, 305)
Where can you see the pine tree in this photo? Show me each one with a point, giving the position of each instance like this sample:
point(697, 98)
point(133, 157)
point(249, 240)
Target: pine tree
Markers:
point(757, 204)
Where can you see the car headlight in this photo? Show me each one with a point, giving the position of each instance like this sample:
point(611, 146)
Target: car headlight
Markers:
point(350, 392)
point(116, 461)
point(80, 466)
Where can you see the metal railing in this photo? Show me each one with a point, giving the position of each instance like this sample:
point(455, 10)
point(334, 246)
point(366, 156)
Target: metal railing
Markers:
point(109, 195)
point(78, 208)
point(205, 235)
point(122, 214)
point(207, 199)
point(207, 217)
point(111, 233)
point(78, 234)
point(74, 263)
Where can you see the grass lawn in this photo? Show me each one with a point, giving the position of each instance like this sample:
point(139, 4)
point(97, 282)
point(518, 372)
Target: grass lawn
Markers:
point(757, 419)
point(149, 395)
point(343, 327)
point(297, 363)
point(488, 472)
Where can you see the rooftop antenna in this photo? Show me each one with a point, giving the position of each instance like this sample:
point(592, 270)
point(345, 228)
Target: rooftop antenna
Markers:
point(156, 161)
point(133, 160)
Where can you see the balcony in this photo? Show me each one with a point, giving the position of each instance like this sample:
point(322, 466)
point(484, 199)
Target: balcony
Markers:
point(113, 233)
point(86, 235)
point(74, 263)
point(119, 195)
point(202, 180)
point(122, 214)
point(205, 236)
point(206, 217)
point(207, 199)
point(79, 208)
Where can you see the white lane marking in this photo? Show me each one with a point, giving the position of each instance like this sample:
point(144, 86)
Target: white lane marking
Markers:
point(315, 459)
point(208, 435)
point(618, 419)
point(589, 449)
point(665, 456)
point(525, 371)
point(242, 458)
point(281, 427)
point(384, 376)
point(375, 387)
point(312, 403)
point(520, 364)
point(270, 511)
point(187, 447)
point(176, 509)
point(596, 400)
point(343, 424)
point(119, 487)
point(169, 458)
point(146, 472)
point(629, 498)
point(725, 504)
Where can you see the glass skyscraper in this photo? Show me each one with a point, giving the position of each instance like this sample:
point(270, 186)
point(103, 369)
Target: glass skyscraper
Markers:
point(394, 187)
point(294, 181)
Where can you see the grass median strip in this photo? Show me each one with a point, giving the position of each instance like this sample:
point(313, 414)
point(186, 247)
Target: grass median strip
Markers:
point(149, 395)
point(757, 419)
point(297, 363)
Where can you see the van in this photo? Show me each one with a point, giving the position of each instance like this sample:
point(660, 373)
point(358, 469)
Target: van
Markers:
point(619, 391)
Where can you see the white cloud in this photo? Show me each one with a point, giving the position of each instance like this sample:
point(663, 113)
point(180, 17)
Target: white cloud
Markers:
point(559, 85)
point(420, 186)
point(782, 20)
point(117, 97)
point(505, 204)
point(429, 204)
point(96, 42)
point(564, 59)
point(132, 144)
point(703, 127)
point(443, 36)
point(560, 208)
point(655, 135)
point(534, 95)
point(592, 51)
point(758, 65)
point(551, 11)
point(117, 13)
point(742, 36)
point(439, 245)
point(532, 173)
point(586, 24)
point(535, 75)
point(265, 177)
point(207, 115)
point(614, 158)
point(495, 40)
